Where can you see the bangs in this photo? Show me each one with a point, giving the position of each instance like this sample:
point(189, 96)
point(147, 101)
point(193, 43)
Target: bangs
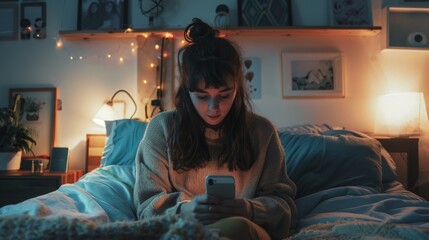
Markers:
point(213, 72)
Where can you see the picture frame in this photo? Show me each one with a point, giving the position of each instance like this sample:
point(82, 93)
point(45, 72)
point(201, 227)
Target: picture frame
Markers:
point(350, 12)
point(253, 13)
point(309, 74)
point(40, 115)
point(107, 15)
point(252, 76)
point(33, 20)
point(8, 21)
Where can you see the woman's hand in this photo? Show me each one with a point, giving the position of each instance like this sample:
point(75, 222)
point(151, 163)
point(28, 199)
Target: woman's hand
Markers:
point(207, 209)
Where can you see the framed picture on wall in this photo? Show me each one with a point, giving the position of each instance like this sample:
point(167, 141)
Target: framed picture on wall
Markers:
point(40, 114)
point(102, 14)
point(350, 12)
point(33, 20)
point(307, 75)
point(264, 13)
point(8, 21)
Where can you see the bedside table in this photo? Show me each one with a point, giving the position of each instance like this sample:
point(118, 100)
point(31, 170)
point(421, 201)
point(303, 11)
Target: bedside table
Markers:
point(409, 146)
point(17, 186)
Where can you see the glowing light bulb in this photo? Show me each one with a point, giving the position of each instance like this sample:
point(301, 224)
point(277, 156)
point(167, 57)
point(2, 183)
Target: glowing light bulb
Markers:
point(59, 43)
point(71, 57)
point(145, 35)
point(145, 81)
point(80, 57)
point(121, 59)
point(156, 46)
point(132, 44)
point(183, 42)
point(152, 65)
point(109, 55)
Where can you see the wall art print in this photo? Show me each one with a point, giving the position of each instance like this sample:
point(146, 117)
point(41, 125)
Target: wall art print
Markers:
point(319, 74)
point(264, 13)
point(33, 20)
point(350, 12)
point(252, 74)
point(102, 14)
point(40, 115)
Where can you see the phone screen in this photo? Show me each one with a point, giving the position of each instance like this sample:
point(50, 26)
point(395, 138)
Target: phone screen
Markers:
point(221, 187)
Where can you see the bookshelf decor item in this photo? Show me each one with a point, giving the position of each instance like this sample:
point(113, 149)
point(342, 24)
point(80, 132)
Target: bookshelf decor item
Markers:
point(102, 15)
point(350, 12)
point(264, 13)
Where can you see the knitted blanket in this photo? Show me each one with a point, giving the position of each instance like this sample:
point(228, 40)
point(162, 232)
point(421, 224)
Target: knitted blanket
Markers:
point(361, 230)
point(165, 227)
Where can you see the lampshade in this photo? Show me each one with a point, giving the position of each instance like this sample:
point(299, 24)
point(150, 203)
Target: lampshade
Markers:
point(107, 113)
point(400, 114)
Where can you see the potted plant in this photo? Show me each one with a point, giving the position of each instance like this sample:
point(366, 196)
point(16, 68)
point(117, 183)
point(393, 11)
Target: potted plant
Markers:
point(15, 137)
point(32, 108)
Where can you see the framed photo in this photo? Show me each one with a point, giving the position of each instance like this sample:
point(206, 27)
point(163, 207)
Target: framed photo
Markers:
point(312, 75)
point(40, 115)
point(264, 13)
point(102, 14)
point(33, 20)
point(8, 21)
point(350, 12)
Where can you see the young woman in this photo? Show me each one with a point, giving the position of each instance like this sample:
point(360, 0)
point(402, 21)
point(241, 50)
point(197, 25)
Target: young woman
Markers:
point(213, 131)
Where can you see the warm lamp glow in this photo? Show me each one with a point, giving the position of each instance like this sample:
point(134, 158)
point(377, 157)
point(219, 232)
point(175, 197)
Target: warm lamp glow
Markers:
point(400, 114)
point(107, 113)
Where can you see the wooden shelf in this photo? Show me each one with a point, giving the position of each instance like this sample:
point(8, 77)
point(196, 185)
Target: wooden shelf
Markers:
point(242, 31)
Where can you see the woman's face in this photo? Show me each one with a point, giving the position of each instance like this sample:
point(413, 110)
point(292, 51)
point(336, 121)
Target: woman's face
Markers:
point(213, 104)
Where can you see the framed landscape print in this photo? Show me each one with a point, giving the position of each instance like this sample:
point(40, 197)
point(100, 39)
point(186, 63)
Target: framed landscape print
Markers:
point(40, 115)
point(102, 14)
point(306, 75)
point(350, 12)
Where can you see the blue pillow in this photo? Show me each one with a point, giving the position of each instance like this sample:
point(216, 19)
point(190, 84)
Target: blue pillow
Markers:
point(316, 162)
point(123, 139)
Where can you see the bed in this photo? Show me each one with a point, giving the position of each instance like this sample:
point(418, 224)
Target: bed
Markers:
point(347, 188)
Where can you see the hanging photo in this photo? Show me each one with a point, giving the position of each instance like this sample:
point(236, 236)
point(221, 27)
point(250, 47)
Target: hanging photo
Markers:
point(102, 14)
point(33, 20)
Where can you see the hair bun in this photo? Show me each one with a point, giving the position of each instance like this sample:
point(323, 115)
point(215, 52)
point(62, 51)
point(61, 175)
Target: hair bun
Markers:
point(199, 29)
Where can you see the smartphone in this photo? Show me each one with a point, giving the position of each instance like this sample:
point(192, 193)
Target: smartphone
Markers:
point(221, 187)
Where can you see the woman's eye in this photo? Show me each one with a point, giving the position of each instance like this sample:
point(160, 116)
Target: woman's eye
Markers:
point(201, 97)
point(224, 96)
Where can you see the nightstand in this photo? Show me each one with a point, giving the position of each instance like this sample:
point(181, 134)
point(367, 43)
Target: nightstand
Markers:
point(17, 186)
point(410, 147)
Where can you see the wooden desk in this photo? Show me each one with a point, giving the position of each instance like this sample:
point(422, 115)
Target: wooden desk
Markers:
point(17, 186)
point(410, 146)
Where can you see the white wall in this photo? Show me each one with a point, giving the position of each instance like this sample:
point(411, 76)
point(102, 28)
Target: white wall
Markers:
point(84, 85)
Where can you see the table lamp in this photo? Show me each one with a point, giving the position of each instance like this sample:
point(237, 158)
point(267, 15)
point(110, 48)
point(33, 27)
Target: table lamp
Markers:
point(106, 112)
point(400, 114)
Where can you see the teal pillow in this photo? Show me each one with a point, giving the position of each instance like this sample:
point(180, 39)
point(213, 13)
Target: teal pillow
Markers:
point(316, 162)
point(123, 139)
